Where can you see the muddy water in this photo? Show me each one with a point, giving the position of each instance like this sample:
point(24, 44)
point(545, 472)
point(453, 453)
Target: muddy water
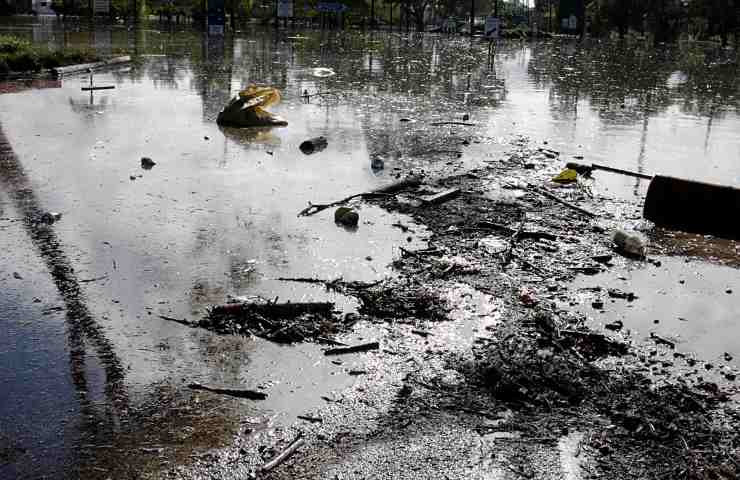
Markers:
point(694, 304)
point(216, 217)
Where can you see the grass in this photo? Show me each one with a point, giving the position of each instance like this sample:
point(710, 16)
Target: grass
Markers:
point(18, 55)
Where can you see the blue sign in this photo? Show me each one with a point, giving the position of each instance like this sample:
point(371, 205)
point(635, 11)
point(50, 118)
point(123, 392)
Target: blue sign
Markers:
point(216, 17)
point(334, 7)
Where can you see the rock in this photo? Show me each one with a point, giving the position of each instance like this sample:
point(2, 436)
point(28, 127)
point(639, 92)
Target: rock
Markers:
point(346, 216)
point(614, 326)
point(377, 164)
point(731, 376)
point(728, 291)
point(50, 217)
point(17, 276)
point(630, 244)
point(603, 258)
point(728, 357)
point(597, 304)
point(616, 293)
point(147, 163)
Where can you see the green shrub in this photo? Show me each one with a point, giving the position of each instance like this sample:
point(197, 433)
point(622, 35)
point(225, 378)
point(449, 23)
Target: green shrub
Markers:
point(10, 44)
point(18, 55)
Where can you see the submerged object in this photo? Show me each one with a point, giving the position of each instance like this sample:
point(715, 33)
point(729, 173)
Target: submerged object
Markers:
point(313, 145)
point(694, 207)
point(687, 205)
point(247, 109)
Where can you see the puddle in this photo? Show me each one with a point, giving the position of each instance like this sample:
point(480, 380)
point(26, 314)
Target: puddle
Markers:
point(689, 299)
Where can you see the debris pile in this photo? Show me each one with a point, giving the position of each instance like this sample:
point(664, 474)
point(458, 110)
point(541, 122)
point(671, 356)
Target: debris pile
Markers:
point(636, 427)
point(279, 322)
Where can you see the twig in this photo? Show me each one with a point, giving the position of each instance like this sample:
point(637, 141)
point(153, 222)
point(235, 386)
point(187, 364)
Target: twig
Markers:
point(561, 201)
point(512, 240)
point(284, 455)
point(393, 188)
point(330, 341)
point(250, 394)
point(309, 418)
point(353, 349)
point(318, 94)
point(177, 320)
point(88, 280)
point(465, 124)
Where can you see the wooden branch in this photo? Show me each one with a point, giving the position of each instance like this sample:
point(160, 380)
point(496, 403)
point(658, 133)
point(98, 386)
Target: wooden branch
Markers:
point(465, 124)
point(275, 310)
point(250, 394)
point(554, 197)
point(410, 182)
point(284, 455)
point(353, 349)
point(177, 320)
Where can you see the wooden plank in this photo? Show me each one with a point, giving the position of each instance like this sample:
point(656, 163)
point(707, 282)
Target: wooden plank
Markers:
point(441, 197)
point(83, 67)
point(106, 87)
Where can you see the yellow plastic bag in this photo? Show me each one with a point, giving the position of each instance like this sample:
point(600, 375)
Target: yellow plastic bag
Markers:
point(566, 176)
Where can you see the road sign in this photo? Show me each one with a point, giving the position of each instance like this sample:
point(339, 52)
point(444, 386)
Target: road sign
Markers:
point(333, 7)
point(492, 27)
point(101, 6)
point(216, 17)
point(285, 9)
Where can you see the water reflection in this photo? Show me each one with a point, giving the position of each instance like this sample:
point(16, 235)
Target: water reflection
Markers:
point(83, 330)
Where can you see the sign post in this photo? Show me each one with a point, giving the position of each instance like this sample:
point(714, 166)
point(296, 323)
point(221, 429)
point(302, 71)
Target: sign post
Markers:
point(101, 7)
point(216, 17)
point(492, 28)
point(285, 9)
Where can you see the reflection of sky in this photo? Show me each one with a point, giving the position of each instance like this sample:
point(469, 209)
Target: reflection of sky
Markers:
point(697, 313)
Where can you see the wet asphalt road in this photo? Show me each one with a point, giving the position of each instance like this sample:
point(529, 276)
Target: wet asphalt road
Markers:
point(216, 217)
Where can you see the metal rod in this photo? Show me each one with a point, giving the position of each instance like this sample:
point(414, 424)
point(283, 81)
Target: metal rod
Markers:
point(580, 166)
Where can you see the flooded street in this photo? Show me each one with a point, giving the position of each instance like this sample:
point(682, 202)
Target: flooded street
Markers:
point(82, 300)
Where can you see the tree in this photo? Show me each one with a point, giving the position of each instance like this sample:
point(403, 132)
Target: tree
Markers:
point(416, 9)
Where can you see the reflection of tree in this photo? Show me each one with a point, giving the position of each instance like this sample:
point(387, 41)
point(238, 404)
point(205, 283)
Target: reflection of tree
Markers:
point(626, 82)
point(83, 329)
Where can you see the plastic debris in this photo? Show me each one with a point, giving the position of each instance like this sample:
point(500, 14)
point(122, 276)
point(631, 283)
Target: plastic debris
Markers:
point(566, 176)
point(313, 145)
point(323, 72)
point(629, 243)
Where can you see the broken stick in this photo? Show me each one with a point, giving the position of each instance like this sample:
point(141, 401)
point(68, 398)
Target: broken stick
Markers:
point(249, 394)
point(284, 455)
point(465, 124)
point(554, 197)
point(314, 208)
point(177, 320)
point(353, 349)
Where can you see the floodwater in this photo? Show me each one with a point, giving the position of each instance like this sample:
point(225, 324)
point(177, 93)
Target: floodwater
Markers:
point(217, 216)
